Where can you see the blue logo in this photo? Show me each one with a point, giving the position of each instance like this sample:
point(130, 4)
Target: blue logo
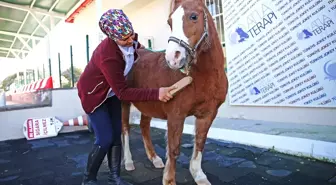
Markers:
point(257, 23)
point(242, 34)
point(238, 36)
point(304, 34)
point(254, 91)
point(330, 70)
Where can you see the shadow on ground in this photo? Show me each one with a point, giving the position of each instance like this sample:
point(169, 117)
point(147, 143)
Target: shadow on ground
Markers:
point(62, 159)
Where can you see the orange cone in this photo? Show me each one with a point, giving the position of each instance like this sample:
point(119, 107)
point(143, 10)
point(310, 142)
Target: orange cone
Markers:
point(79, 121)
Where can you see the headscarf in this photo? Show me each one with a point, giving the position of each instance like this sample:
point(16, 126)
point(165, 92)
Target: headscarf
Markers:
point(115, 24)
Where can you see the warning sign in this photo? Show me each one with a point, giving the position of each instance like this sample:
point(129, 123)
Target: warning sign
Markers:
point(41, 128)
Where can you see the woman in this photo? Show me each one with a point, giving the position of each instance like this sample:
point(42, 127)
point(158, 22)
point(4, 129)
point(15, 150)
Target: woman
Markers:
point(101, 87)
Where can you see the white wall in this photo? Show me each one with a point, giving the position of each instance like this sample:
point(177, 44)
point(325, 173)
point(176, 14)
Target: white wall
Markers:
point(150, 20)
point(65, 105)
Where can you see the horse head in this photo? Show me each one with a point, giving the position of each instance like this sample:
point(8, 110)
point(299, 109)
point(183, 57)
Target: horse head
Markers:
point(188, 22)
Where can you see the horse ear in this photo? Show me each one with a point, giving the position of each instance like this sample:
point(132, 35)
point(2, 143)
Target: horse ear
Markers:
point(174, 4)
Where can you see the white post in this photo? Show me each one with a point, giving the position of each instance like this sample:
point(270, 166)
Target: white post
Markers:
point(99, 12)
point(52, 25)
point(18, 77)
point(2, 98)
point(25, 75)
point(35, 71)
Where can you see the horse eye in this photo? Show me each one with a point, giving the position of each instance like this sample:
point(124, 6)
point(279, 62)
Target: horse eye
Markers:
point(193, 17)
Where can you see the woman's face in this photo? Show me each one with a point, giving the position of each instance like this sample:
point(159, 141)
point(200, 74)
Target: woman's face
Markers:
point(128, 41)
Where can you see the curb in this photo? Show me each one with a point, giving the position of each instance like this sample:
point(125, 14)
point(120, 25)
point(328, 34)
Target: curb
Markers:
point(321, 150)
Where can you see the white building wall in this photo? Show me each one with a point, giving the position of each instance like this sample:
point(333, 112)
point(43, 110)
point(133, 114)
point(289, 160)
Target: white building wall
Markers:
point(150, 20)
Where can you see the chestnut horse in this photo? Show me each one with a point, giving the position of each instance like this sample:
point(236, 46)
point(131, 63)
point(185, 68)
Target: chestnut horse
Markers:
point(193, 46)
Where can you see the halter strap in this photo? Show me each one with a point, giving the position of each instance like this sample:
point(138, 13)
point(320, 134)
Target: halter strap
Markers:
point(192, 51)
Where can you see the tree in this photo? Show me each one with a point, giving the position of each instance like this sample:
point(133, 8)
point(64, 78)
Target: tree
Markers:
point(67, 75)
point(8, 81)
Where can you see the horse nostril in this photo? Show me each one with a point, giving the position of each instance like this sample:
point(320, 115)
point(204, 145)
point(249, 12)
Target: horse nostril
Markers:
point(177, 54)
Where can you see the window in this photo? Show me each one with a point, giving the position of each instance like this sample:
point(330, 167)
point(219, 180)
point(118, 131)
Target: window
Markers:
point(215, 8)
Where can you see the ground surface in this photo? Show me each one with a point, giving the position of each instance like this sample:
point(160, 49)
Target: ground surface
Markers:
point(61, 161)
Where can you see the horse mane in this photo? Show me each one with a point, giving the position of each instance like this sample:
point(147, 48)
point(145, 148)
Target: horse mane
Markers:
point(171, 6)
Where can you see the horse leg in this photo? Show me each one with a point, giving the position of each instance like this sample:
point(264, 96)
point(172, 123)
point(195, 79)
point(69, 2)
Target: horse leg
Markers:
point(202, 125)
point(150, 151)
point(174, 133)
point(126, 108)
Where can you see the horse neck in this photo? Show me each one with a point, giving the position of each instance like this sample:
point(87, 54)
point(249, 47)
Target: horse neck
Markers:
point(213, 59)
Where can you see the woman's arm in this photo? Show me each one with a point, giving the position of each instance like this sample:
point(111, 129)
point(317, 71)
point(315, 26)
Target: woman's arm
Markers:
point(114, 74)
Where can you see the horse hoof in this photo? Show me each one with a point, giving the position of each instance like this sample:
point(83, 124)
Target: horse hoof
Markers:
point(203, 182)
point(129, 166)
point(158, 163)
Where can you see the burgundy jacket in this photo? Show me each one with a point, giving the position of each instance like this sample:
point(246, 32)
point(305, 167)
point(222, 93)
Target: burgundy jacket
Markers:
point(104, 71)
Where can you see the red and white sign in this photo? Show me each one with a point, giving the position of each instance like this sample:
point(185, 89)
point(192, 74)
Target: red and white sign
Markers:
point(41, 128)
point(49, 127)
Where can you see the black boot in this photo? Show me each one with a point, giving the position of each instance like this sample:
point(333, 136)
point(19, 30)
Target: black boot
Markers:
point(114, 160)
point(95, 159)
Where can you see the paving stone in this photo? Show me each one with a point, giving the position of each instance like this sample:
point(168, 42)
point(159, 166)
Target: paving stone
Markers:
point(333, 180)
point(247, 164)
point(143, 174)
point(80, 160)
point(81, 142)
point(9, 178)
point(224, 174)
point(254, 150)
point(279, 173)
point(36, 144)
point(252, 179)
point(262, 171)
point(299, 178)
point(183, 175)
point(228, 151)
point(267, 159)
point(245, 154)
point(3, 161)
point(187, 145)
point(222, 161)
point(318, 170)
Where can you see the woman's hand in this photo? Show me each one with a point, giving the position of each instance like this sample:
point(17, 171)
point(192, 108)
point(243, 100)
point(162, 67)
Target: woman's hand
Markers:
point(164, 93)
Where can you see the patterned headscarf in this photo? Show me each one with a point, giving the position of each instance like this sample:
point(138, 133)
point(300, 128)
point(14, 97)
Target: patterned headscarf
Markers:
point(115, 24)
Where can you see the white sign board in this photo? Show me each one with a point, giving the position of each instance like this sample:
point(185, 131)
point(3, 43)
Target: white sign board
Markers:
point(281, 52)
point(41, 128)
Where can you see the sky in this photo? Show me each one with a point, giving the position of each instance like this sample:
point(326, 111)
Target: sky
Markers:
point(8, 67)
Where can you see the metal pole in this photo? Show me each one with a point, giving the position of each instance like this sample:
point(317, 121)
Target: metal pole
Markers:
point(38, 73)
point(25, 76)
point(43, 72)
point(87, 49)
point(72, 70)
point(49, 67)
point(34, 79)
point(59, 70)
